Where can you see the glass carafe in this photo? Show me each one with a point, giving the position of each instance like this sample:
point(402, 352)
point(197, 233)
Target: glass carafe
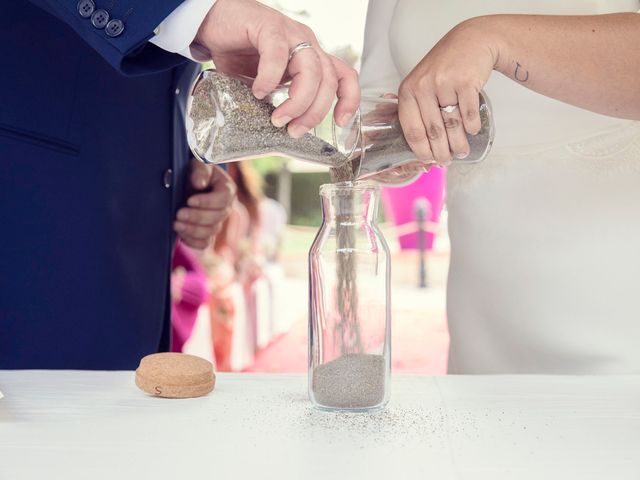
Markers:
point(349, 302)
point(382, 153)
point(225, 122)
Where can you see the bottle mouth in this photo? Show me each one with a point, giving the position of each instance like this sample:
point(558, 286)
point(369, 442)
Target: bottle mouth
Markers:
point(346, 187)
point(349, 201)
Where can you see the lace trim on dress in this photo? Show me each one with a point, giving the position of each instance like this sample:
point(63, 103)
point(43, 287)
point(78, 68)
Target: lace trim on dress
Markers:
point(605, 154)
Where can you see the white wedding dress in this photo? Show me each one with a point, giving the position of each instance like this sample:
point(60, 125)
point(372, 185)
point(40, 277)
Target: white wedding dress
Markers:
point(545, 233)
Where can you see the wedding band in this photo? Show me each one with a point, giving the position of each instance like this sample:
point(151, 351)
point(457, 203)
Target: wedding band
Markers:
point(449, 108)
point(297, 48)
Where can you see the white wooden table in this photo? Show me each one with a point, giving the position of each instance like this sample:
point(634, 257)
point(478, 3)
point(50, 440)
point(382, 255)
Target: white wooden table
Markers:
point(98, 425)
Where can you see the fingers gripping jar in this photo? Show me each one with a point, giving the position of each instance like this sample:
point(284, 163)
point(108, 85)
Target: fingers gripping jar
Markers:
point(225, 122)
point(349, 302)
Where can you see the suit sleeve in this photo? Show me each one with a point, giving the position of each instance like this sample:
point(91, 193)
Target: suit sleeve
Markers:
point(124, 43)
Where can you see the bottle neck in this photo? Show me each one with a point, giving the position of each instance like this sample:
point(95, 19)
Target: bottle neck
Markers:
point(356, 203)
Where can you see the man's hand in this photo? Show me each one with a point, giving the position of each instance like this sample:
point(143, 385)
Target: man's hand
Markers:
point(201, 219)
point(249, 38)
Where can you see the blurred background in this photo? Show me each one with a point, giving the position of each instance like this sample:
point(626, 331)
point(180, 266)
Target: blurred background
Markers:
point(243, 304)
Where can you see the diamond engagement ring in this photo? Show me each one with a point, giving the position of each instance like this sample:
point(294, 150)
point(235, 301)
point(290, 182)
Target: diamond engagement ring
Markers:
point(449, 108)
point(297, 48)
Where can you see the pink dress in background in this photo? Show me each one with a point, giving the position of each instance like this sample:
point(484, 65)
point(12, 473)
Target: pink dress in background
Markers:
point(193, 293)
point(399, 204)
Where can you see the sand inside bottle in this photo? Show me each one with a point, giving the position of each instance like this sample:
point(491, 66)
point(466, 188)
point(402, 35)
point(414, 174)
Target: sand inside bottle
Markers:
point(352, 381)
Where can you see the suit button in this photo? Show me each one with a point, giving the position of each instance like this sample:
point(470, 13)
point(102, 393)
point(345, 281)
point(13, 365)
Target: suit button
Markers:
point(167, 178)
point(100, 18)
point(114, 28)
point(86, 8)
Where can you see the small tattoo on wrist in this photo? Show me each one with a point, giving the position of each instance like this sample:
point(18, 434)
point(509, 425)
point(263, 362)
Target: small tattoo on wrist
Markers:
point(520, 74)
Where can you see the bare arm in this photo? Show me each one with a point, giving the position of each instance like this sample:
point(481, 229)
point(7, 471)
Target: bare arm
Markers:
point(589, 61)
point(592, 62)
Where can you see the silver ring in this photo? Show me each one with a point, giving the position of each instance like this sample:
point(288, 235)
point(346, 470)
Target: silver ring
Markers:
point(449, 108)
point(297, 48)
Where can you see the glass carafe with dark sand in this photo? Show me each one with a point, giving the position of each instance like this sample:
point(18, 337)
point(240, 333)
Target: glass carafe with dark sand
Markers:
point(225, 122)
point(349, 303)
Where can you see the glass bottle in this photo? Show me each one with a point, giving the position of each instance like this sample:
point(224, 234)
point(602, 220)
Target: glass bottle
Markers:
point(225, 122)
point(349, 302)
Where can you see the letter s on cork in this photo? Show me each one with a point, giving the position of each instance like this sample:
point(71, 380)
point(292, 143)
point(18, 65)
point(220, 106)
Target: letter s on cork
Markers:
point(175, 375)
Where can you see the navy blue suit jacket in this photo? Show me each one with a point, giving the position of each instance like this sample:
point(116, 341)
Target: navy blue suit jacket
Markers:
point(92, 162)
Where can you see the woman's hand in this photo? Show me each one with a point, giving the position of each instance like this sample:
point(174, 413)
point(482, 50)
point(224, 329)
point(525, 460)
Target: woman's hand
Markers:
point(452, 73)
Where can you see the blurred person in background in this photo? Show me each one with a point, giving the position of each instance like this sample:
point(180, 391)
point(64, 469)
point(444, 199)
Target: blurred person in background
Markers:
point(240, 238)
point(544, 232)
point(235, 264)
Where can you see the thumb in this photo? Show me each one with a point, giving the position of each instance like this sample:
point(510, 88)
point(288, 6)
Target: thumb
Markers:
point(220, 178)
point(200, 174)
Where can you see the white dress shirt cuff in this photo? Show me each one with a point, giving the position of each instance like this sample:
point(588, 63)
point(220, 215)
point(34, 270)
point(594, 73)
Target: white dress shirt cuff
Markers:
point(177, 32)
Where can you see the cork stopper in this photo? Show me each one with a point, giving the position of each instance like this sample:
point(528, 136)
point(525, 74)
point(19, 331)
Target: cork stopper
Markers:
point(175, 375)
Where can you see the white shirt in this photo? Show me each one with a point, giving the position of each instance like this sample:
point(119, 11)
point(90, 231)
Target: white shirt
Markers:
point(177, 32)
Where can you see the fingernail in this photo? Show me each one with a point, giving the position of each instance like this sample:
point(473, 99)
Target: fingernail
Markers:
point(461, 156)
point(183, 215)
point(260, 94)
point(345, 119)
point(193, 202)
point(280, 122)
point(179, 226)
point(297, 131)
